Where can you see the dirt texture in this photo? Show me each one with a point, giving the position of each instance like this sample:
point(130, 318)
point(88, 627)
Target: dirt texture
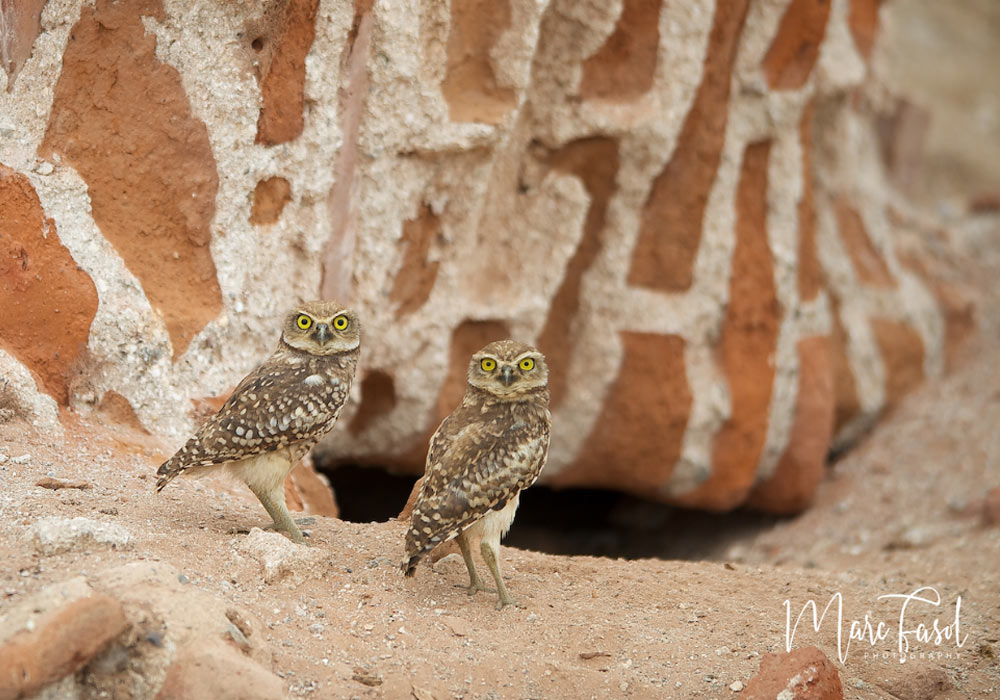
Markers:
point(188, 601)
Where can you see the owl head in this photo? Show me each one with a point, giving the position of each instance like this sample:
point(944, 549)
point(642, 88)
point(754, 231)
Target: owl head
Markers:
point(508, 369)
point(322, 328)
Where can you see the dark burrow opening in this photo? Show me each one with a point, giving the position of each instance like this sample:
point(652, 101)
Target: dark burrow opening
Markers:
point(570, 521)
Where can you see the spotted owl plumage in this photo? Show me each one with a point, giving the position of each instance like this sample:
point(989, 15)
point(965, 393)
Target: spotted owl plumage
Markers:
point(280, 410)
point(482, 456)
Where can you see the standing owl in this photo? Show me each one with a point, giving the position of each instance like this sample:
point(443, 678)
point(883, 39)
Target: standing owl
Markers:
point(481, 457)
point(280, 410)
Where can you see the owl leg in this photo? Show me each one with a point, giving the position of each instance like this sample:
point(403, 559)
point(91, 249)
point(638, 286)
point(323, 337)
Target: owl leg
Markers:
point(490, 552)
point(273, 501)
point(475, 583)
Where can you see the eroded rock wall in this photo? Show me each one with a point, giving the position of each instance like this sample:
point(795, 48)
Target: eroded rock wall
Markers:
point(682, 204)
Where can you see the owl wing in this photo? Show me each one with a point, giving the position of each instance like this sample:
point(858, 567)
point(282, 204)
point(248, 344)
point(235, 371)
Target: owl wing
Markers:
point(273, 407)
point(469, 472)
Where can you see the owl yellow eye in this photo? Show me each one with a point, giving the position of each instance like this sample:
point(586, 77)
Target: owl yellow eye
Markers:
point(488, 365)
point(527, 364)
point(340, 323)
point(303, 322)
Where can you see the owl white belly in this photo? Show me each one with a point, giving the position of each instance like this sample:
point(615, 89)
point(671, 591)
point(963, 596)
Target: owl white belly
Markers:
point(495, 524)
point(265, 471)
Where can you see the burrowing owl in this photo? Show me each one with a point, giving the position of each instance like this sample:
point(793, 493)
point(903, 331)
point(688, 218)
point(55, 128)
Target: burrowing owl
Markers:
point(280, 410)
point(481, 457)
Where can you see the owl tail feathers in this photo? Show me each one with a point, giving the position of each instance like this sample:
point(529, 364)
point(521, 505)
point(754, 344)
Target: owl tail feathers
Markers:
point(167, 471)
point(409, 565)
point(415, 551)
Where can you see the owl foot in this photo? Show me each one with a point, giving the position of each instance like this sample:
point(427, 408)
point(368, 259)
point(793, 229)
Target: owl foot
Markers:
point(271, 527)
point(475, 587)
point(504, 601)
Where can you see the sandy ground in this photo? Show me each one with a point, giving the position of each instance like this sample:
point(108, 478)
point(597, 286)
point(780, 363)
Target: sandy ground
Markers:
point(901, 512)
point(335, 619)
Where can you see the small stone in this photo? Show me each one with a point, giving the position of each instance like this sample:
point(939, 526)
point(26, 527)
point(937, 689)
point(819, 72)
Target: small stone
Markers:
point(58, 644)
point(804, 674)
point(183, 579)
point(316, 628)
point(237, 636)
point(49, 482)
point(55, 535)
point(282, 559)
point(915, 537)
point(457, 626)
point(367, 677)
point(209, 668)
point(21, 459)
point(736, 686)
point(991, 507)
point(44, 168)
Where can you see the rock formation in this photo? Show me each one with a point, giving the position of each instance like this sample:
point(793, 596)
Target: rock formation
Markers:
point(682, 204)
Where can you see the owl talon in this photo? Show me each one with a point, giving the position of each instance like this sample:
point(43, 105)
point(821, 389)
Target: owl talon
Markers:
point(474, 588)
point(504, 602)
point(270, 527)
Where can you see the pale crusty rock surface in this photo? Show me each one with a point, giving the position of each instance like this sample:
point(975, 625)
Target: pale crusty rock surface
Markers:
point(280, 559)
point(682, 204)
point(55, 535)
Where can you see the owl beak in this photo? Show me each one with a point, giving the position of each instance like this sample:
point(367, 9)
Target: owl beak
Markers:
point(322, 333)
point(507, 376)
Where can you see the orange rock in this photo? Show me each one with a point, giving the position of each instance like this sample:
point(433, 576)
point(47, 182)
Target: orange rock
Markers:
point(209, 668)
point(868, 263)
point(649, 398)
point(306, 490)
point(417, 274)
point(623, 68)
point(991, 507)
point(670, 228)
point(41, 286)
point(862, 17)
point(810, 274)
point(957, 301)
point(121, 118)
point(61, 643)
point(22, 24)
point(378, 397)
point(470, 86)
point(269, 200)
point(803, 674)
point(117, 408)
point(404, 515)
point(795, 48)
point(747, 345)
point(847, 402)
point(282, 76)
point(903, 354)
point(595, 162)
point(792, 485)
